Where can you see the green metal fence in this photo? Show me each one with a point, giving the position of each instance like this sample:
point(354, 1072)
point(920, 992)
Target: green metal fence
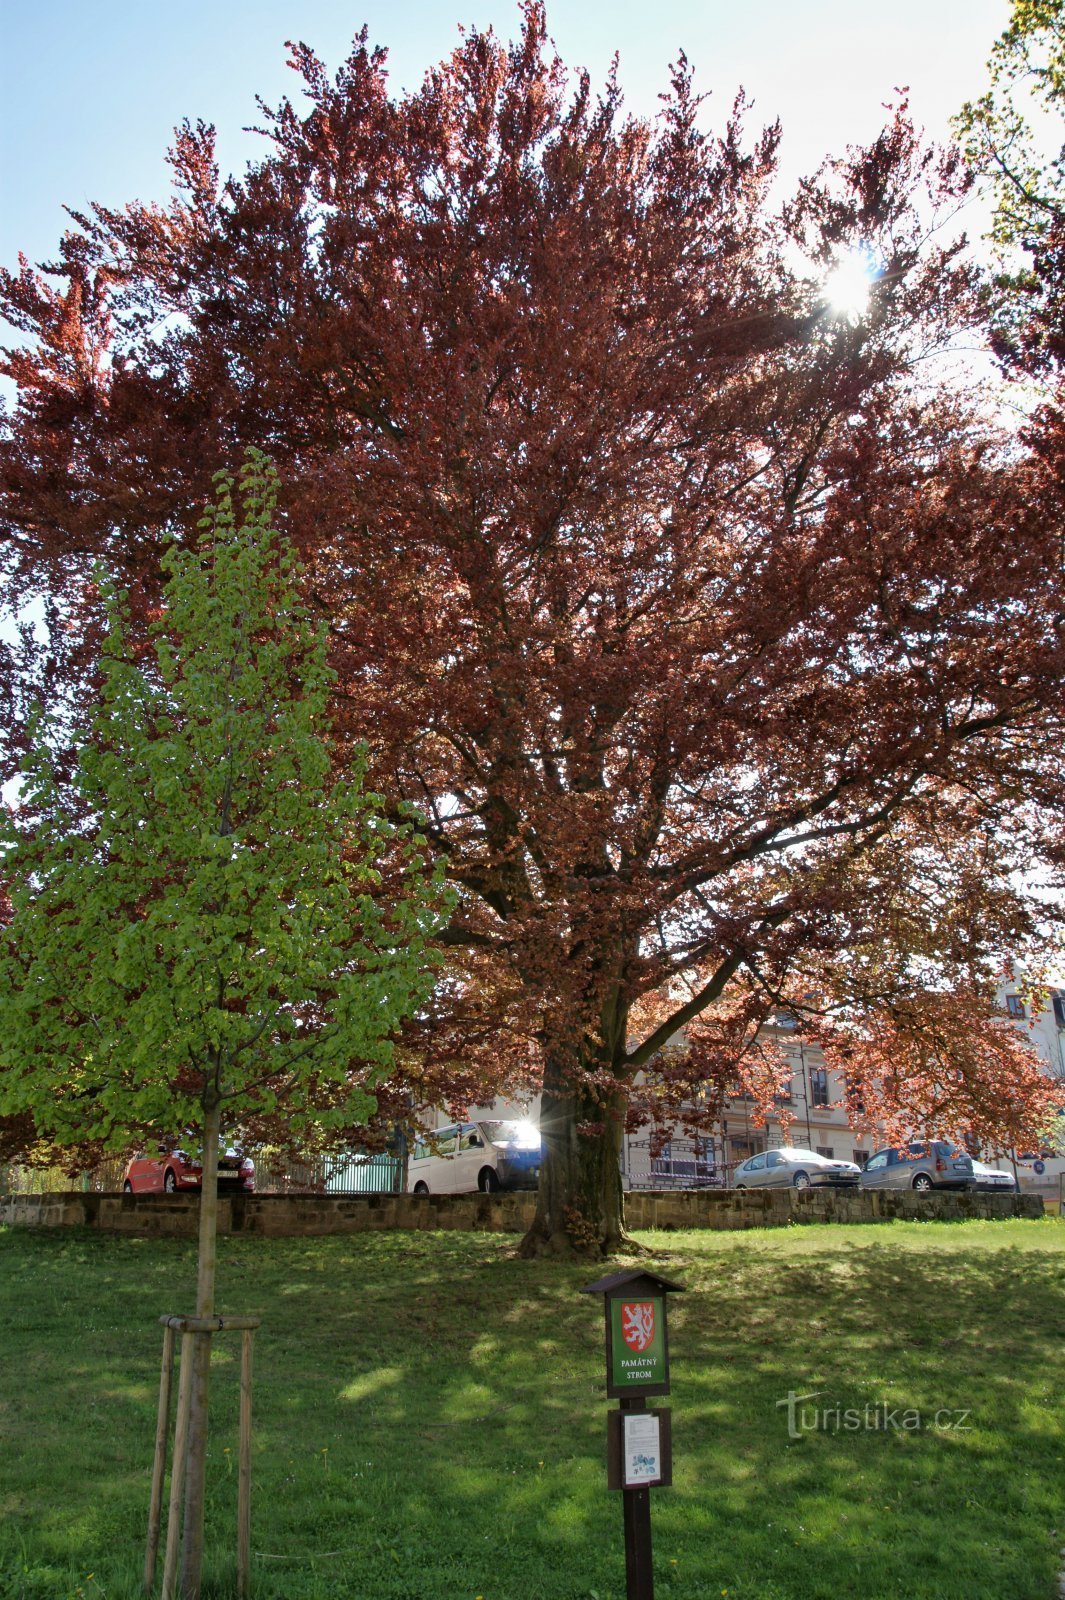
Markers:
point(380, 1174)
point(350, 1173)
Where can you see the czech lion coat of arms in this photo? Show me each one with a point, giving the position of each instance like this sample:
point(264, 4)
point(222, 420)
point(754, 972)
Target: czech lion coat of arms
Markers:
point(638, 1324)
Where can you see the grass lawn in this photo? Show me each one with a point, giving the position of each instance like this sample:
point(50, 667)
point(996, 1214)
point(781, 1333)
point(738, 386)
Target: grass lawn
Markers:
point(430, 1416)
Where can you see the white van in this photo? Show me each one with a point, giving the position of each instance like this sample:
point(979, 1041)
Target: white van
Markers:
point(466, 1156)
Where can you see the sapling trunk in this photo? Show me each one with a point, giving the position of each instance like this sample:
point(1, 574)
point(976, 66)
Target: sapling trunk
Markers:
point(195, 1470)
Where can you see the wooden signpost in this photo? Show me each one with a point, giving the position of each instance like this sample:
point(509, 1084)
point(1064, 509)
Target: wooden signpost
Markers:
point(639, 1439)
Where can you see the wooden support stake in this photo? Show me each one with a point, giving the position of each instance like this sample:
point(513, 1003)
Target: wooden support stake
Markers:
point(177, 1470)
point(193, 1329)
point(162, 1428)
point(244, 1475)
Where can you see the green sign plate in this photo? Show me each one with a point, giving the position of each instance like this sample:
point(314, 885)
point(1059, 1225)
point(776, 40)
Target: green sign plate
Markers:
point(637, 1343)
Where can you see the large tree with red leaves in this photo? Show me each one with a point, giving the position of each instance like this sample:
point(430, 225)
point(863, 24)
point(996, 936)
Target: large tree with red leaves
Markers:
point(715, 639)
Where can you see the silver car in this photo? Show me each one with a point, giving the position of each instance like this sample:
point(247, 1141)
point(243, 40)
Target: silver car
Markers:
point(993, 1180)
point(923, 1164)
point(788, 1168)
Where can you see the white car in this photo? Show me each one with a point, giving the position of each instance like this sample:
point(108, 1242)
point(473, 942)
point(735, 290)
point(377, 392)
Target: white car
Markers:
point(993, 1180)
point(789, 1168)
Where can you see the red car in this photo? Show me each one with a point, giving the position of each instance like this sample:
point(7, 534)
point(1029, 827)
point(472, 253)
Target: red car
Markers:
point(172, 1170)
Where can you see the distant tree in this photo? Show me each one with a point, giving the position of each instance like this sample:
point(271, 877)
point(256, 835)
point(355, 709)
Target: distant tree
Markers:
point(715, 639)
point(1014, 137)
point(1026, 86)
point(204, 923)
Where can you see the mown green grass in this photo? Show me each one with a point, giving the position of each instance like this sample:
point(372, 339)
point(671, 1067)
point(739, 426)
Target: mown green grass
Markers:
point(430, 1416)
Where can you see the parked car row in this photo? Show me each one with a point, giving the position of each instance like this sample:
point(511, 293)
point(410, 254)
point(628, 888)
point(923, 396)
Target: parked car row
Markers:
point(492, 1155)
point(499, 1154)
point(923, 1164)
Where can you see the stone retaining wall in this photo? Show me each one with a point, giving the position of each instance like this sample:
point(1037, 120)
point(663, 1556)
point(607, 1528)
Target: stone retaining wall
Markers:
point(773, 1208)
point(283, 1215)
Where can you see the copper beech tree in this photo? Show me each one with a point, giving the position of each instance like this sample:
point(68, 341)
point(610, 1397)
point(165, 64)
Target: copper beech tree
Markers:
point(718, 641)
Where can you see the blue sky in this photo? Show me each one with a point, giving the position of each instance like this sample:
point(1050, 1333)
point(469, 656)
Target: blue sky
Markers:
point(93, 91)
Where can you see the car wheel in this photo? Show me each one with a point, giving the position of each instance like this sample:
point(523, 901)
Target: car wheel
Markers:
point(169, 1181)
point(923, 1183)
point(421, 1188)
point(127, 1187)
point(488, 1180)
point(741, 1188)
point(801, 1180)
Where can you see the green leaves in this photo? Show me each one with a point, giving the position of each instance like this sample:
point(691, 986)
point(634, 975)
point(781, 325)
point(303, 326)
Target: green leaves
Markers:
point(201, 909)
point(1004, 131)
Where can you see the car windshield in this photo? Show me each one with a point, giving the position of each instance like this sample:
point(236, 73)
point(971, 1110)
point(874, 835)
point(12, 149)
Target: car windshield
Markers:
point(523, 1134)
point(791, 1154)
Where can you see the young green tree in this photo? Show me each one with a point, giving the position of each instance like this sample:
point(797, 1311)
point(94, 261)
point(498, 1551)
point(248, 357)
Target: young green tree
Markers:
point(204, 923)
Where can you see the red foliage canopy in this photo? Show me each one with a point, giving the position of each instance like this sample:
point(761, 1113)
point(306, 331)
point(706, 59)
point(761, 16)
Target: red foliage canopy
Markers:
point(717, 642)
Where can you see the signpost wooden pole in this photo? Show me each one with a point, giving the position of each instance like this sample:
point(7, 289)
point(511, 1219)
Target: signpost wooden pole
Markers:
point(639, 1440)
point(636, 1506)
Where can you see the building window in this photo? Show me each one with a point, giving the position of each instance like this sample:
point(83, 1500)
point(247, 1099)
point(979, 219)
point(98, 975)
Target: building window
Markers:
point(703, 1151)
point(1015, 1005)
point(818, 1086)
point(827, 1151)
point(661, 1162)
point(860, 1157)
point(1058, 1003)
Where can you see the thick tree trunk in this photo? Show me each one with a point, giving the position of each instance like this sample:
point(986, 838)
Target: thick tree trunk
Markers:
point(580, 1205)
point(195, 1473)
